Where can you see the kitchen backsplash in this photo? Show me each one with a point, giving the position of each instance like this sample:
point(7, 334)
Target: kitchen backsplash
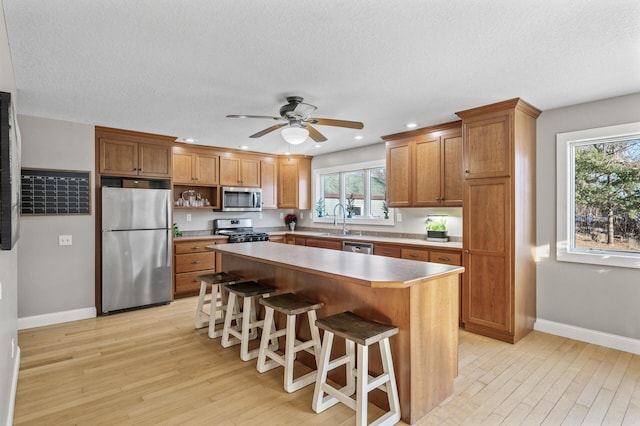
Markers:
point(413, 220)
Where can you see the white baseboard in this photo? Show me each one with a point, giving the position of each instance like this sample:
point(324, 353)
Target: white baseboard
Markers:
point(55, 318)
point(590, 336)
point(14, 386)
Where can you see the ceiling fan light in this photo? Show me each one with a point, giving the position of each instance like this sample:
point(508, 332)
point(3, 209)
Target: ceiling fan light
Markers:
point(294, 135)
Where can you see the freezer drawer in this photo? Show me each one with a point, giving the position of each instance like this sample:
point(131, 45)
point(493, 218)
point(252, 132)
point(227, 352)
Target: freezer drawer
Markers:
point(136, 268)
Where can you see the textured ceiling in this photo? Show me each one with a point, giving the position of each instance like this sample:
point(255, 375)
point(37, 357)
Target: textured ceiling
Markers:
point(178, 67)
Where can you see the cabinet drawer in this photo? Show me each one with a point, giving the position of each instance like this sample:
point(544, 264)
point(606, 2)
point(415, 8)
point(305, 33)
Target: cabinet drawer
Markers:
point(415, 254)
point(187, 283)
point(445, 257)
point(195, 262)
point(390, 251)
point(193, 246)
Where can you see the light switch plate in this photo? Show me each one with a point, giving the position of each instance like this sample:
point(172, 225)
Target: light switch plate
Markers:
point(65, 240)
point(188, 217)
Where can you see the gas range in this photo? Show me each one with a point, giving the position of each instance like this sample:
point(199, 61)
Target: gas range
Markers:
point(238, 230)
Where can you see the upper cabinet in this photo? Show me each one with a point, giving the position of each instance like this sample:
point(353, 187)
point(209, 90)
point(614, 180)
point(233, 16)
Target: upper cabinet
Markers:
point(269, 183)
point(195, 167)
point(487, 147)
point(294, 182)
point(424, 167)
point(126, 153)
point(238, 171)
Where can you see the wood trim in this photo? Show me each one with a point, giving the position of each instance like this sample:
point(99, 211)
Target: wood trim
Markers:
point(421, 131)
point(515, 103)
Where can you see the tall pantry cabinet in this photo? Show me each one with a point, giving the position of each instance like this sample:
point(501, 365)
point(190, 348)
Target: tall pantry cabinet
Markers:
point(499, 198)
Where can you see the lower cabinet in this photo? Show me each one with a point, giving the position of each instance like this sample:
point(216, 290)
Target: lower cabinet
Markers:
point(387, 250)
point(191, 258)
point(322, 243)
point(278, 239)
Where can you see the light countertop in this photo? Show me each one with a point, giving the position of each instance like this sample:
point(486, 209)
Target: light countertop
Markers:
point(372, 271)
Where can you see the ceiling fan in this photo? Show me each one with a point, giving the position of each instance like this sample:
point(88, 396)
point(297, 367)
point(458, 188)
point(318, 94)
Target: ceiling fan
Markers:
point(298, 124)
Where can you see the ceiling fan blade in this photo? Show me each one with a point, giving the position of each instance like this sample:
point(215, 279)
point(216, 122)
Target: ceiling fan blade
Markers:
point(254, 116)
point(338, 123)
point(268, 130)
point(314, 134)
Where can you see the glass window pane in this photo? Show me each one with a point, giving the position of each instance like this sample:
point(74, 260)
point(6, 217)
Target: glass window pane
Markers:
point(607, 196)
point(354, 192)
point(330, 191)
point(378, 188)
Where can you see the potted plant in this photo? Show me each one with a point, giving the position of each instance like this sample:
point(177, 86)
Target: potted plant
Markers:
point(437, 228)
point(291, 220)
point(320, 207)
point(351, 206)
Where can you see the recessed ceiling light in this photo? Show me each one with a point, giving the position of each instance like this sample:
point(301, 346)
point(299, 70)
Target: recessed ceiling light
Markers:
point(317, 145)
point(412, 125)
point(244, 147)
point(358, 137)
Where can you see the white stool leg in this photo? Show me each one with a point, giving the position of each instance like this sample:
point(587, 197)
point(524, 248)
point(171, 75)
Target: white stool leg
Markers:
point(289, 352)
point(319, 402)
point(216, 298)
point(315, 336)
point(350, 387)
point(263, 364)
point(362, 380)
point(200, 322)
point(393, 416)
point(232, 313)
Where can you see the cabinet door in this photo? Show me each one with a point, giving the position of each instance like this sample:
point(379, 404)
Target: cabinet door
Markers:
point(118, 157)
point(385, 250)
point(206, 169)
point(487, 290)
point(229, 171)
point(250, 173)
point(288, 184)
point(415, 254)
point(426, 172)
point(487, 147)
point(398, 174)
point(268, 179)
point(452, 169)
point(183, 168)
point(322, 243)
point(154, 160)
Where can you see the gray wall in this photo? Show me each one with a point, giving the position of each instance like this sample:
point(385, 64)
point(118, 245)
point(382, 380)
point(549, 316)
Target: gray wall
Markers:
point(8, 263)
point(588, 296)
point(56, 278)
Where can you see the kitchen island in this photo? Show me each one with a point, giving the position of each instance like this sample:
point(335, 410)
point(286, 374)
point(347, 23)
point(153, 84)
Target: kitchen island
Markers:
point(420, 298)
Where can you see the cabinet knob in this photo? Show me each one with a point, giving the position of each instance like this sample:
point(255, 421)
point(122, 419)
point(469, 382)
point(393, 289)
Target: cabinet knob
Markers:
point(446, 259)
point(467, 171)
point(466, 251)
point(195, 248)
point(195, 262)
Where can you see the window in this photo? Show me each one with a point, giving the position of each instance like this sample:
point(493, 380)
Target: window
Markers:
point(598, 196)
point(360, 188)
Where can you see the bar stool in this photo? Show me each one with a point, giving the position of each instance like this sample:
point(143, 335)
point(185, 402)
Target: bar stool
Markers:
point(364, 332)
point(291, 305)
point(217, 301)
point(246, 326)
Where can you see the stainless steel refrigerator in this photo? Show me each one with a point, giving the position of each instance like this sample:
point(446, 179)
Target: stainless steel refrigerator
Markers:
point(136, 248)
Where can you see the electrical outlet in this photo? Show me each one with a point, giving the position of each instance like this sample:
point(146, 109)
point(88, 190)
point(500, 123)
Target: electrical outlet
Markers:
point(281, 215)
point(399, 217)
point(188, 217)
point(301, 216)
point(260, 216)
point(65, 240)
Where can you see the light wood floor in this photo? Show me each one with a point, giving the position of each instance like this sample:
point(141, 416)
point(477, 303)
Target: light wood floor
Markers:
point(152, 367)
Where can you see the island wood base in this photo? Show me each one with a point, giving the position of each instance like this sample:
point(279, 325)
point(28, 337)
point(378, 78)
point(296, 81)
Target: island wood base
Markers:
point(425, 351)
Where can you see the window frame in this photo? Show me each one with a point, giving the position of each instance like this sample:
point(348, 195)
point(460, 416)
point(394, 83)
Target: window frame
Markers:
point(565, 196)
point(317, 190)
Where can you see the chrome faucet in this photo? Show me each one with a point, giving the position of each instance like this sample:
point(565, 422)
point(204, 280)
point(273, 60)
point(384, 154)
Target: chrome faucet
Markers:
point(344, 217)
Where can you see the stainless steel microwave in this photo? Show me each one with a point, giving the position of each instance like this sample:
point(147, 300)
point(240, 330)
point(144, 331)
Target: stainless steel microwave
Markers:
point(234, 199)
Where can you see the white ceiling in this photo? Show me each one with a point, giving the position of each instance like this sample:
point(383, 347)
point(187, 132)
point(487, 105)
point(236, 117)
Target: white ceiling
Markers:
point(178, 67)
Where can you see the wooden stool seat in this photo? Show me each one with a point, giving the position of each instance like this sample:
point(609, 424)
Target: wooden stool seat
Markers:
point(246, 325)
point(363, 332)
point(291, 305)
point(217, 302)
